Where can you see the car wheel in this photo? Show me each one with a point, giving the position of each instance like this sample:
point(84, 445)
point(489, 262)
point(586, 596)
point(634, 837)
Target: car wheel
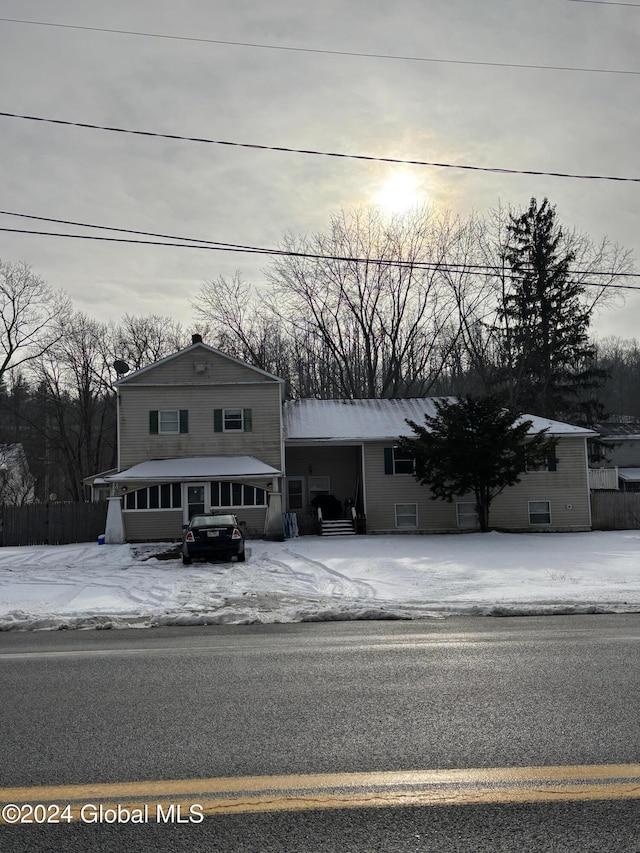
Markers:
point(186, 561)
point(241, 557)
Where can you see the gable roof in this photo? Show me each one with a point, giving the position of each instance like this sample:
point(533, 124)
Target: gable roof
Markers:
point(369, 420)
point(199, 345)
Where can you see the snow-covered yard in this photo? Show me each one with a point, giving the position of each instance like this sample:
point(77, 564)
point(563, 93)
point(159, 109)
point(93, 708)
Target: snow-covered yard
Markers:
point(93, 586)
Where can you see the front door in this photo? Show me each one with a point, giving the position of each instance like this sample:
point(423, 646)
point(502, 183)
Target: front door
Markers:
point(295, 494)
point(196, 500)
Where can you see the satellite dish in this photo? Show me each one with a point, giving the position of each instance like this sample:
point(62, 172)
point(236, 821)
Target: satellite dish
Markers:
point(120, 367)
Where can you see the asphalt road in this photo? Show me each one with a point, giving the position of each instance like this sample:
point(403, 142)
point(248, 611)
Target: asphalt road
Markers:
point(179, 704)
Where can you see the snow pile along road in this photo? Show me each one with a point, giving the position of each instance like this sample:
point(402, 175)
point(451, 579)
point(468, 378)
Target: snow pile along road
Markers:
point(360, 577)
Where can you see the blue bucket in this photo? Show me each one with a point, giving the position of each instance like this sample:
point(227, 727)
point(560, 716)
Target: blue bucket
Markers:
point(101, 539)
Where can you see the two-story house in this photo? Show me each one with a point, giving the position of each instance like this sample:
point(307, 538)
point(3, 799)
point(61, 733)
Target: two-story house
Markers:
point(200, 430)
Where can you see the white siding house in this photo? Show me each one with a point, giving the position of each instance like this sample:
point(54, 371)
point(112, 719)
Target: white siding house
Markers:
point(200, 429)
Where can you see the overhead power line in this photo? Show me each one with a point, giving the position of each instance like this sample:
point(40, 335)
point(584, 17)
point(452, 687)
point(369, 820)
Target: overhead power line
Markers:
point(328, 52)
point(288, 252)
point(316, 153)
point(486, 271)
point(606, 3)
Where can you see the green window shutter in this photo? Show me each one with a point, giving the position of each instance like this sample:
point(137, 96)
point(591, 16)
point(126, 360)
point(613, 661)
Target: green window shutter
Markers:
point(184, 420)
point(552, 462)
point(153, 422)
point(217, 420)
point(248, 423)
point(388, 460)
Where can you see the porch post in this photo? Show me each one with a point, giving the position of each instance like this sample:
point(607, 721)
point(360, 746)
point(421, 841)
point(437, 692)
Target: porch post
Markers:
point(114, 531)
point(273, 523)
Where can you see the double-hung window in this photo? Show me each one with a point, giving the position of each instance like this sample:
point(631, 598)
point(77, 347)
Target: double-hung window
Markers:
point(232, 420)
point(168, 421)
point(539, 512)
point(398, 461)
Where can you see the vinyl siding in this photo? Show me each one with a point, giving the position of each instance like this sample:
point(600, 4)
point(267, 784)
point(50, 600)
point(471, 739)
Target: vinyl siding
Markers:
point(166, 524)
point(565, 486)
point(137, 444)
point(182, 370)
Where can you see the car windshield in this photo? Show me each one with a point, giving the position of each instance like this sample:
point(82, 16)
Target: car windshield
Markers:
point(212, 520)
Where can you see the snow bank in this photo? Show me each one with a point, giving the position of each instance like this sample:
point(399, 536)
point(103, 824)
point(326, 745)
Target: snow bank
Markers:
point(322, 579)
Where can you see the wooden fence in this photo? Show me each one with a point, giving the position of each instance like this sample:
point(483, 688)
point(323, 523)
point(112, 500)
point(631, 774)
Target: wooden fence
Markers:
point(615, 510)
point(52, 523)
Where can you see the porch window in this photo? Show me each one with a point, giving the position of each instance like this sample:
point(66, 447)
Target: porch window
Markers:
point(165, 496)
point(406, 515)
point(539, 512)
point(225, 494)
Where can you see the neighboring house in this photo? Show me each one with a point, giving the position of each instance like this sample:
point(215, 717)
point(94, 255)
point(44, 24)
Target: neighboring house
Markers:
point(200, 429)
point(17, 484)
point(615, 457)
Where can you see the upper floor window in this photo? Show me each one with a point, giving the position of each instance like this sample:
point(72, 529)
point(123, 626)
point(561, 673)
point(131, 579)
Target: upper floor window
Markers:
point(398, 461)
point(232, 420)
point(168, 421)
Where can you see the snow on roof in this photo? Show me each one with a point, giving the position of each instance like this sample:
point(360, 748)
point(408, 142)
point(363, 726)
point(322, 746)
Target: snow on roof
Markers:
point(351, 420)
point(196, 468)
point(629, 474)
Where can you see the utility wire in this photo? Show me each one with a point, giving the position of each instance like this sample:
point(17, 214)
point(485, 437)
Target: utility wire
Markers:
point(606, 3)
point(359, 54)
point(449, 265)
point(489, 272)
point(315, 153)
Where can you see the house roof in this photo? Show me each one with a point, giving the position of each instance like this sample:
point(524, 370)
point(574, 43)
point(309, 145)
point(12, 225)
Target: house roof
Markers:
point(631, 475)
point(196, 468)
point(368, 420)
point(627, 431)
point(199, 345)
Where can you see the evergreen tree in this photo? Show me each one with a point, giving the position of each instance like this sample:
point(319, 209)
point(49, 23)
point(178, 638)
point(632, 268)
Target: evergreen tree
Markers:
point(474, 446)
point(549, 363)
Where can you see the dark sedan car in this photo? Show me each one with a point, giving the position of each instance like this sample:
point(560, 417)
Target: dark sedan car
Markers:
point(208, 536)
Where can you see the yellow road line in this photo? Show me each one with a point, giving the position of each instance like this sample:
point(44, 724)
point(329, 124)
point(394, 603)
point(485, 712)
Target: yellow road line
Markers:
point(391, 789)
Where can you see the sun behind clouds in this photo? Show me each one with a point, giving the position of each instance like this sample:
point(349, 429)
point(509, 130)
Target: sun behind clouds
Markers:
point(400, 192)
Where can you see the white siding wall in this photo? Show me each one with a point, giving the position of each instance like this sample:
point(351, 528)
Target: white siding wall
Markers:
point(137, 444)
point(566, 488)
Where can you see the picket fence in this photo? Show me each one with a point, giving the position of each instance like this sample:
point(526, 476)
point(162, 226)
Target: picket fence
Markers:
point(52, 523)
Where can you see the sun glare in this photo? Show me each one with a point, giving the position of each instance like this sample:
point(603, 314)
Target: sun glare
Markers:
point(399, 193)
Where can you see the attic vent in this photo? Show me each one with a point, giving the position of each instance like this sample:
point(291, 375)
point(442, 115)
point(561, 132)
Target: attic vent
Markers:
point(196, 339)
point(199, 366)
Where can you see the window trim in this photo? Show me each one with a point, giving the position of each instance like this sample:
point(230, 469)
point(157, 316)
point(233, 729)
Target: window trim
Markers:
point(539, 523)
point(391, 462)
point(225, 416)
point(475, 513)
point(406, 526)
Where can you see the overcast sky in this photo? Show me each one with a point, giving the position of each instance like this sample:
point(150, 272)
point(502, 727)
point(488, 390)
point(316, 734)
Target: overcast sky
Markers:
point(515, 118)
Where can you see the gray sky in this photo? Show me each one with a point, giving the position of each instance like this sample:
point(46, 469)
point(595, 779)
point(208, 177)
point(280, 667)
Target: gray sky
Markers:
point(514, 118)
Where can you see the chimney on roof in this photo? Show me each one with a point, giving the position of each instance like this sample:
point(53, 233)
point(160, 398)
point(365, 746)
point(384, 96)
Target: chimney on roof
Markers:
point(196, 339)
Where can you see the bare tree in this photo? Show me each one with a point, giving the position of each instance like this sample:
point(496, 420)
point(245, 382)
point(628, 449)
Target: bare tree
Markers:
point(367, 309)
point(74, 382)
point(141, 340)
point(28, 308)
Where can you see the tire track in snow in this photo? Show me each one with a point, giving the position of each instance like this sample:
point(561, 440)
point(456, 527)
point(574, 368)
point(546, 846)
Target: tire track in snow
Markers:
point(340, 586)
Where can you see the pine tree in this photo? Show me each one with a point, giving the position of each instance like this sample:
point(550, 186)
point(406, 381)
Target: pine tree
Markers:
point(474, 446)
point(550, 365)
